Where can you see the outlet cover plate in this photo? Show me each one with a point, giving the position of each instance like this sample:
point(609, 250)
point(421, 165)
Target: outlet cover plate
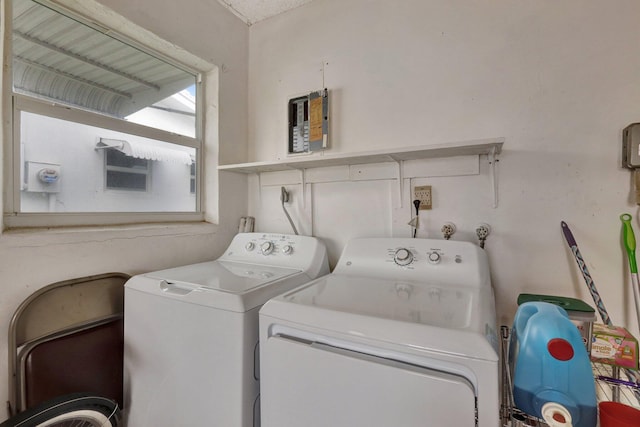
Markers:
point(423, 193)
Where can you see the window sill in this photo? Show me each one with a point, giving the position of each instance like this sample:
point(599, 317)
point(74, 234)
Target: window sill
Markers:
point(43, 236)
point(57, 220)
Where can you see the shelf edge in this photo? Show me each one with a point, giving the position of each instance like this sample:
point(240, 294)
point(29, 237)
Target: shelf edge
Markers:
point(474, 147)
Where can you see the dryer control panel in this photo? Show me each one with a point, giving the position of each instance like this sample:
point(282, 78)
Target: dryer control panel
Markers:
point(444, 261)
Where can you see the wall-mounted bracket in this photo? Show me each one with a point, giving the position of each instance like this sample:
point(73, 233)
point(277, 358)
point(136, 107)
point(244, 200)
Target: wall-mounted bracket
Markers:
point(493, 166)
point(400, 180)
point(303, 180)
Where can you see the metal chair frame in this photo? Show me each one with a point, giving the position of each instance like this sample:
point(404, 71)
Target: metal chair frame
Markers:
point(56, 311)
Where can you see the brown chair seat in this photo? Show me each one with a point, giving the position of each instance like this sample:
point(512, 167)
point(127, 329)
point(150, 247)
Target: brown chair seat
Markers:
point(68, 337)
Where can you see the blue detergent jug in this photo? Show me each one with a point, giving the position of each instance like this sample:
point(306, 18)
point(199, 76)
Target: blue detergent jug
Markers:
point(552, 375)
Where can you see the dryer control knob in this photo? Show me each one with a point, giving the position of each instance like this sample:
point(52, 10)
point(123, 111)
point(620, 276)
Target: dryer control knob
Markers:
point(403, 256)
point(287, 250)
point(249, 246)
point(434, 257)
point(266, 248)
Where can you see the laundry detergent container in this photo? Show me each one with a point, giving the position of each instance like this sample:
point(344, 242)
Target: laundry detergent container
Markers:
point(552, 375)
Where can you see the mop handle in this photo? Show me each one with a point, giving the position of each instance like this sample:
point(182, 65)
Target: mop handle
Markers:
point(630, 245)
point(629, 242)
point(585, 273)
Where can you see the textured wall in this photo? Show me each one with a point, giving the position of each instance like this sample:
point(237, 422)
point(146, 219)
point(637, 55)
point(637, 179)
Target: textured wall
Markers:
point(558, 80)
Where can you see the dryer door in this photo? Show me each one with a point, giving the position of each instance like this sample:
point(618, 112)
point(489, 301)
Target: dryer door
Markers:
point(316, 385)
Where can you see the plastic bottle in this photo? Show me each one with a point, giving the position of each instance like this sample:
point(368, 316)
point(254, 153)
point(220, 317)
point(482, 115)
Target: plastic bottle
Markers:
point(551, 369)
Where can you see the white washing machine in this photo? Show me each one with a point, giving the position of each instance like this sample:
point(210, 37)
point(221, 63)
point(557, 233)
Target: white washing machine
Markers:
point(191, 333)
point(402, 333)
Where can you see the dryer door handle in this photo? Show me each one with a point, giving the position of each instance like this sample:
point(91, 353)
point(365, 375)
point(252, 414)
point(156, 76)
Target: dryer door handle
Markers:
point(283, 332)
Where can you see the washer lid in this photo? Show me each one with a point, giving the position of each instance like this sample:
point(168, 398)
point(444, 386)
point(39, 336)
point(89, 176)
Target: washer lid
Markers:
point(224, 276)
point(453, 319)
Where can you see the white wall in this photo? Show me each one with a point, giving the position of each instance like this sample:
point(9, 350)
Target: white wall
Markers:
point(558, 80)
point(30, 260)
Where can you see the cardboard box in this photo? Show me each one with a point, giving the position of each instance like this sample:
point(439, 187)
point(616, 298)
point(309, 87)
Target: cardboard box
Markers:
point(614, 345)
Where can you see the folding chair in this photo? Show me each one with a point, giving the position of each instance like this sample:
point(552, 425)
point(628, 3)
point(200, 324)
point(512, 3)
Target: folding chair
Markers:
point(65, 338)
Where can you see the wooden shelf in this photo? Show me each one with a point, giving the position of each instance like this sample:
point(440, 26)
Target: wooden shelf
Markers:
point(464, 148)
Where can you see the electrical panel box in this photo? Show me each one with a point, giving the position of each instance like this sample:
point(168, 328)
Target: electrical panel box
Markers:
point(309, 122)
point(631, 146)
point(41, 177)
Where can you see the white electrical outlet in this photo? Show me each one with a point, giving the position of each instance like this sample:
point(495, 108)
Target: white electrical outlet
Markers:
point(423, 193)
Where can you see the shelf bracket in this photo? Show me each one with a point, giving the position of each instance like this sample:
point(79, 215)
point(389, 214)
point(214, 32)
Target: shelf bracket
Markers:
point(303, 179)
point(492, 156)
point(400, 180)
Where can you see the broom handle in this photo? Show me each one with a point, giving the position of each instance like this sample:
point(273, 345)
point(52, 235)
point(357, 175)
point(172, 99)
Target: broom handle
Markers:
point(585, 273)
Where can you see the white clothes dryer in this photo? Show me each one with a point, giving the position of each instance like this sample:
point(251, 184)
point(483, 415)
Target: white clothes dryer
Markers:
point(191, 333)
point(402, 333)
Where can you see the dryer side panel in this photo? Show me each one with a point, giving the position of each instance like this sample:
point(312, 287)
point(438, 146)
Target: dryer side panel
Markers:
point(315, 385)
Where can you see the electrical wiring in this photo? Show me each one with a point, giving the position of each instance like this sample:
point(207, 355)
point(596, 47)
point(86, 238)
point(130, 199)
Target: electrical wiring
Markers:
point(416, 203)
point(284, 197)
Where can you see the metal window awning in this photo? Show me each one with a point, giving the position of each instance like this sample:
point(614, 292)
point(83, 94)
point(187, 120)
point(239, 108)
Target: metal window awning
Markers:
point(58, 58)
point(141, 150)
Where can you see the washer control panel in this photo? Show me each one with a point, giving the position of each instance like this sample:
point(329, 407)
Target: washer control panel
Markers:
point(270, 244)
point(296, 252)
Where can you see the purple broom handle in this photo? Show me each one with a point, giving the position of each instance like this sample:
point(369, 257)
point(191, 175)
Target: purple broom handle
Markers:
point(585, 273)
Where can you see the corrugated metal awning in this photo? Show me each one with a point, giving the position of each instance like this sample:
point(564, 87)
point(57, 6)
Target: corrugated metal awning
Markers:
point(141, 150)
point(61, 59)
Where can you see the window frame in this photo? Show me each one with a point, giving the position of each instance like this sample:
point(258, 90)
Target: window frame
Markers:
point(14, 104)
point(193, 178)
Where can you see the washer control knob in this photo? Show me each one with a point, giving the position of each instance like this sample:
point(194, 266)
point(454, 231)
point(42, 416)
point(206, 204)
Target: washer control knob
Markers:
point(403, 256)
point(249, 246)
point(287, 249)
point(266, 248)
point(434, 257)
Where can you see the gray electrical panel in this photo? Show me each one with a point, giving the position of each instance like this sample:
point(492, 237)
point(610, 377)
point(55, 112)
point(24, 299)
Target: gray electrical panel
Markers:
point(631, 146)
point(309, 122)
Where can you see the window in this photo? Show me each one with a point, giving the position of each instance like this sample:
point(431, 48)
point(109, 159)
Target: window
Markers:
point(118, 124)
point(124, 172)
